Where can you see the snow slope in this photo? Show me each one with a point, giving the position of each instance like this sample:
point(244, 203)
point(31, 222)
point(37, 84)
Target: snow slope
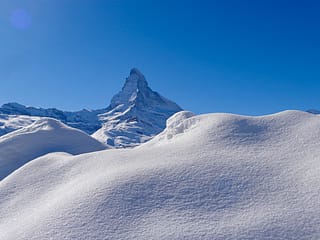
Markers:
point(214, 176)
point(10, 123)
point(43, 136)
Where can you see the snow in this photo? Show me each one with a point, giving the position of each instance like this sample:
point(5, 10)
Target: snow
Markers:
point(134, 83)
point(314, 111)
point(213, 176)
point(134, 116)
point(85, 120)
point(9, 123)
point(43, 136)
point(177, 124)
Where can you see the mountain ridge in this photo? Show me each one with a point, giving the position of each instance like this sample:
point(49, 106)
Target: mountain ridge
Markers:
point(134, 115)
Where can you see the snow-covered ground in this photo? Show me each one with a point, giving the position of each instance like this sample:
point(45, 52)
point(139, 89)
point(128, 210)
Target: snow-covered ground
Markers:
point(10, 123)
point(214, 176)
point(43, 136)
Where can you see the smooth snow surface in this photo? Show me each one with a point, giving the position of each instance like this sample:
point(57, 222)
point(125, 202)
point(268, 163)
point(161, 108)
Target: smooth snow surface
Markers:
point(215, 176)
point(44, 136)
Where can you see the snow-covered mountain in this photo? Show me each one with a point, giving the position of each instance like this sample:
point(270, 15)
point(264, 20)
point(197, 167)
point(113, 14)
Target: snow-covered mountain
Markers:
point(44, 136)
point(85, 120)
point(134, 116)
point(214, 176)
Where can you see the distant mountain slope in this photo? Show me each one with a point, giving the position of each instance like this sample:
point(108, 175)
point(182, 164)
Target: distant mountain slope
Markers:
point(314, 111)
point(213, 176)
point(43, 136)
point(135, 115)
point(85, 120)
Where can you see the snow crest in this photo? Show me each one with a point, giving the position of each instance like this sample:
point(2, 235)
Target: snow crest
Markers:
point(177, 124)
point(44, 136)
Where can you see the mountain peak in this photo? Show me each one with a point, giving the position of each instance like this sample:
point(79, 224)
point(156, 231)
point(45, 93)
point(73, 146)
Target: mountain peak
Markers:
point(135, 71)
point(135, 81)
point(134, 84)
point(136, 113)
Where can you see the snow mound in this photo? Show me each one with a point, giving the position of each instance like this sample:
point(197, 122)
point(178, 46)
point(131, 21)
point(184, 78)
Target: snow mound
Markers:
point(10, 123)
point(177, 118)
point(177, 124)
point(43, 136)
point(225, 177)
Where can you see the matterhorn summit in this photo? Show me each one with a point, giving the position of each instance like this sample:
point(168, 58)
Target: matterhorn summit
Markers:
point(135, 83)
point(135, 114)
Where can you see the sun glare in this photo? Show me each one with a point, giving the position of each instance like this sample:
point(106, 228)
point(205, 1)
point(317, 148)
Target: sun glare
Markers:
point(20, 19)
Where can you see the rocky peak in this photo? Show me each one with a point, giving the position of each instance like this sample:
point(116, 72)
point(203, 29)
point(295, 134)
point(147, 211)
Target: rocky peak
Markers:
point(134, 84)
point(136, 114)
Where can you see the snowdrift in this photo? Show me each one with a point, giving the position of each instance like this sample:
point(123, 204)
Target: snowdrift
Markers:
point(215, 176)
point(43, 136)
point(10, 123)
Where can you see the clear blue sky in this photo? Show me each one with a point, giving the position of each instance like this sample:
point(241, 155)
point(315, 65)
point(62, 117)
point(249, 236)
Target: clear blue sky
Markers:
point(248, 57)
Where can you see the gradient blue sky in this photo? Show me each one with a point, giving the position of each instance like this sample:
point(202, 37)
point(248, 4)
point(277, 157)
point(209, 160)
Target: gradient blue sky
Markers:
point(248, 57)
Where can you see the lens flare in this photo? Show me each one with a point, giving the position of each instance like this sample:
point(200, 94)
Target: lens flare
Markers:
point(20, 19)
